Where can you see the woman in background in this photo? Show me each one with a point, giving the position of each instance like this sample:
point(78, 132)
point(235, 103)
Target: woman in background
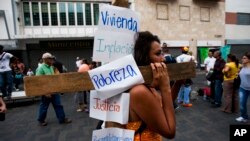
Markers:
point(244, 87)
point(231, 99)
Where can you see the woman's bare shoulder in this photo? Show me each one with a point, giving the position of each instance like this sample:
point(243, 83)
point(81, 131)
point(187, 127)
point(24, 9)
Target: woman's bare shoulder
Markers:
point(139, 91)
point(138, 88)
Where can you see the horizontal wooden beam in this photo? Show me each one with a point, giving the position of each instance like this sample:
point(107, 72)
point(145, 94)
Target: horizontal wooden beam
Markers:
point(74, 82)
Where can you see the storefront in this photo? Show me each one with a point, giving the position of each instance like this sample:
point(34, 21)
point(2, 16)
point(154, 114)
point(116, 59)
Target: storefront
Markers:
point(239, 47)
point(65, 51)
point(203, 47)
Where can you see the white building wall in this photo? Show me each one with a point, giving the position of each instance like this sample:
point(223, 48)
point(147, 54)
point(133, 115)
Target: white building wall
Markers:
point(237, 31)
point(3, 30)
point(240, 6)
point(6, 6)
point(68, 31)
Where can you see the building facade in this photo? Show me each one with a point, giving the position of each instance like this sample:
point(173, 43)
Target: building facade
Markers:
point(66, 28)
point(238, 26)
point(193, 23)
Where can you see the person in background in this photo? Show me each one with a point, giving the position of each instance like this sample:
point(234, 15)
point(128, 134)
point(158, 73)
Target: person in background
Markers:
point(40, 62)
point(184, 92)
point(244, 91)
point(17, 73)
point(58, 65)
point(78, 62)
point(193, 58)
point(209, 62)
point(20, 66)
point(230, 71)
point(30, 72)
point(6, 78)
point(3, 108)
point(218, 78)
point(47, 69)
point(81, 97)
point(209, 66)
point(93, 65)
point(168, 57)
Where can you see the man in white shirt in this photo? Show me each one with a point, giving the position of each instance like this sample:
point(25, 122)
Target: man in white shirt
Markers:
point(209, 61)
point(78, 62)
point(184, 57)
point(209, 64)
point(6, 78)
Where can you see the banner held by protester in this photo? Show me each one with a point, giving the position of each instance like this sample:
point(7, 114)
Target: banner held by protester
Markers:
point(116, 77)
point(113, 134)
point(114, 109)
point(115, 35)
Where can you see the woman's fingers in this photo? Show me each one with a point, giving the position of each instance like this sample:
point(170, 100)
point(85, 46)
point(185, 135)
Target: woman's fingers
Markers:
point(164, 68)
point(158, 67)
point(164, 65)
point(152, 66)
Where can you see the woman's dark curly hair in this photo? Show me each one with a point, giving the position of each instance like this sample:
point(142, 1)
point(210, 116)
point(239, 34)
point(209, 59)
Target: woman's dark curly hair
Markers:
point(143, 46)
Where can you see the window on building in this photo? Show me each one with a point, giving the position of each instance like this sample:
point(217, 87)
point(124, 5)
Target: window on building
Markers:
point(26, 13)
point(45, 13)
point(243, 18)
point(35, 14)
point(62, 11)
point(96, 13)
point(79, 14)
point(71, 13)
point(53, 14)
point(88, 18)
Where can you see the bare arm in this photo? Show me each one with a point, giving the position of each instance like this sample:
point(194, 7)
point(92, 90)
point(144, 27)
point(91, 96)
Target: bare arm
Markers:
point(2, 106)
point(160, 119)
point(226, 70)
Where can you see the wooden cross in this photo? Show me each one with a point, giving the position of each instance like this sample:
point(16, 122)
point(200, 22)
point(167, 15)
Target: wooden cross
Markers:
point(74, 82)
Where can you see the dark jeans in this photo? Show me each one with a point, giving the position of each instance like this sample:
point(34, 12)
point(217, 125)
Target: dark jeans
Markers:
point(56, 102)
point(212, 90)
point(17, 82)
point(81, 97)
point(218, 91)
point(6, 83)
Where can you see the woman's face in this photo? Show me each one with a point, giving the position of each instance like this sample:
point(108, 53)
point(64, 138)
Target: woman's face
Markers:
point(155, 53)
point(245, 60)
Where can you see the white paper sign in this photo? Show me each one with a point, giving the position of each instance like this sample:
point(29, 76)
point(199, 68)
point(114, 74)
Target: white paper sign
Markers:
point(116, 77)
point(115, 35)
point(114, 109)
point(113, 134)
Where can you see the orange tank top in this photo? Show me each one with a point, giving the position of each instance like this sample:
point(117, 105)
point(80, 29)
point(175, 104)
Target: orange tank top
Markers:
point(146, 134)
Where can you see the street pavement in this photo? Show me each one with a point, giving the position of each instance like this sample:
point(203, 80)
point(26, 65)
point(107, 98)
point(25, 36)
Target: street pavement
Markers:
point(198, 123)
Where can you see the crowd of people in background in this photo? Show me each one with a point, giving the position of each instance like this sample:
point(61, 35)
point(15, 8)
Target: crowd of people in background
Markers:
point(228, 83)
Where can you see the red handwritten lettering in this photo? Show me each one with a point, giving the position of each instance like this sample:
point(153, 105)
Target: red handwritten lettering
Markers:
point(105, 105)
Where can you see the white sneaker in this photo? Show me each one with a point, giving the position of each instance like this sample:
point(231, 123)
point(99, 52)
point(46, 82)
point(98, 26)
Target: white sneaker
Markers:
point(241, 119)
point(79, 110)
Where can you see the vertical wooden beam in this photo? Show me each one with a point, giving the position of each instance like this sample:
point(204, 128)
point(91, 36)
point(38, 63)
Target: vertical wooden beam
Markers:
point(120, 3)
